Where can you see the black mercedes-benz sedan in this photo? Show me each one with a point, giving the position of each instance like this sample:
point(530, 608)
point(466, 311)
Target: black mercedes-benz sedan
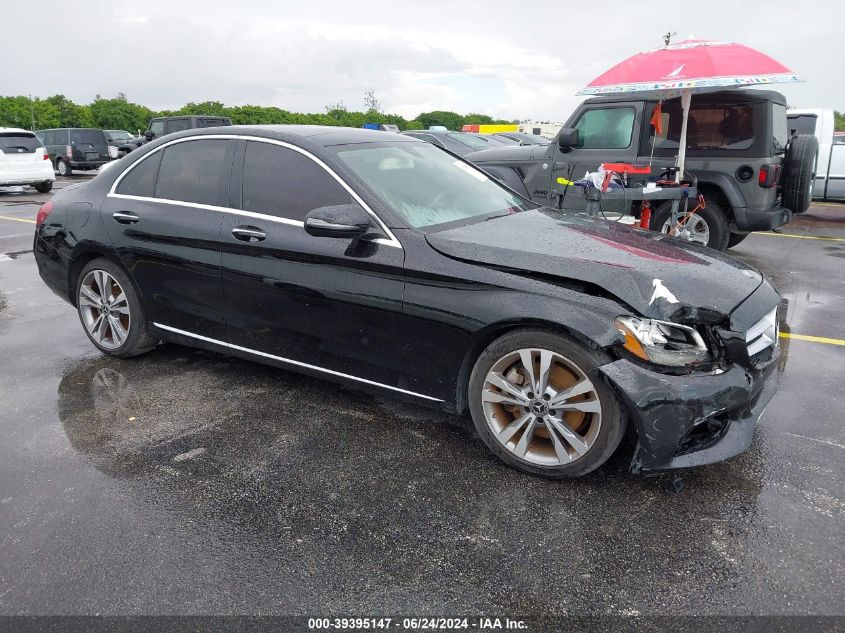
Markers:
point(378, 260)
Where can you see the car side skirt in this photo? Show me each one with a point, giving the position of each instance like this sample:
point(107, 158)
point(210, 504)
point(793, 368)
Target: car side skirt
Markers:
point(304, 367)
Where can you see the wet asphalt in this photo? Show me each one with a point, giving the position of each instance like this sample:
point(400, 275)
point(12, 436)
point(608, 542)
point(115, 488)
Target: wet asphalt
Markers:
point(185, 482)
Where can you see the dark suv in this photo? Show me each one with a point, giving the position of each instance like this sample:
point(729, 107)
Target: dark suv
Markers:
point(76, 148)
point(162, 125)
point(752, 175)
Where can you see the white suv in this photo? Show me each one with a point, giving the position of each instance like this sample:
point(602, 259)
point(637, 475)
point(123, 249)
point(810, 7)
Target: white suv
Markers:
point(24, 161)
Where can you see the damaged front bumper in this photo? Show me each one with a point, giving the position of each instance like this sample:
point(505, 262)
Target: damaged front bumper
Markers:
point(694, 419)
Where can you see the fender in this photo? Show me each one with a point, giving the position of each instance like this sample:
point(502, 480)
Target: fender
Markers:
point(726, 183)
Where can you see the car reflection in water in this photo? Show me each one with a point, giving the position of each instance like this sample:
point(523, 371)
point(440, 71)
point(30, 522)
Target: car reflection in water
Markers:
point(188, 411)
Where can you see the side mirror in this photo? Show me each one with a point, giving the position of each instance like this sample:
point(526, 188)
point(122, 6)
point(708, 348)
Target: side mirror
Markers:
point(149, 135)
point(344, 220)
point(567, 138)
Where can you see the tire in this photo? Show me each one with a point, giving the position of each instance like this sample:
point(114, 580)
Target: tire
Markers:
point(595, 434)
point(63, 168)
point(128, 335)
point(799, 169)
point(44, 187)
point(713, 217)
point(736, 238)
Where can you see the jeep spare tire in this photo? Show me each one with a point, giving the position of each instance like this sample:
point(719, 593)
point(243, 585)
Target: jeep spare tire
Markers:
point(799, 172)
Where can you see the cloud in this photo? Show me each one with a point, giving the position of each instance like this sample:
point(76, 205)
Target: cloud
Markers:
point(512, 61)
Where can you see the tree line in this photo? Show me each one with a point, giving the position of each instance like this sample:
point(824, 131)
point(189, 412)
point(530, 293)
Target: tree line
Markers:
point(119, 113)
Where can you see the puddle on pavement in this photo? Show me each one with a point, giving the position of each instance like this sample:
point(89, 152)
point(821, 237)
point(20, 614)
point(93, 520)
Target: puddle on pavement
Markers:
point(340, 479)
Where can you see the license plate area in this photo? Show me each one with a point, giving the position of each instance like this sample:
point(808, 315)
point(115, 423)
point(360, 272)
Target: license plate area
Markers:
point(92, 155)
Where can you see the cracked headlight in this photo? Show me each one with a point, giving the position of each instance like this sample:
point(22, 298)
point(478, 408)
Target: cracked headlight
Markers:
point(661, 342)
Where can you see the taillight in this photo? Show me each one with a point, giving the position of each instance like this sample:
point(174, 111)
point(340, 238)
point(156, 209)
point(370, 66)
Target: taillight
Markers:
point(768, 176)
point(45, 210)
point(46, 155)
point(69, 151)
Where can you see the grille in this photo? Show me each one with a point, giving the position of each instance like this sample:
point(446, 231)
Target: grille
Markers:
point(763, 335)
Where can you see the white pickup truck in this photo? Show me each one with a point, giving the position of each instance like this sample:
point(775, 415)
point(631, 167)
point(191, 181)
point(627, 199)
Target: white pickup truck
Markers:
point(829, 183)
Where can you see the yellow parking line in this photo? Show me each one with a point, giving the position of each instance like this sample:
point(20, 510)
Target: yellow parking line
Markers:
point(6, 217)
point(804, 237)
point(813, 339)
point(829, 204)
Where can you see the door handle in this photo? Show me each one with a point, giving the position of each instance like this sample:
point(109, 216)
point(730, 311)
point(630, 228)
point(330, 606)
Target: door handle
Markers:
point(248, 234)
point(124, 217)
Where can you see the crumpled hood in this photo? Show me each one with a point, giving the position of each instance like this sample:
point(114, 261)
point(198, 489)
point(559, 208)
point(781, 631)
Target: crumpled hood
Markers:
point(658, 276)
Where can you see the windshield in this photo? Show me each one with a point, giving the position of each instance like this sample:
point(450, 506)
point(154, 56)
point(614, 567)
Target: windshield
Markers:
point(535, 139)
point(119, 135)
point(427, 186)
point(18, 142)
point(84, 135)
point(469, 139)
point(802, 123)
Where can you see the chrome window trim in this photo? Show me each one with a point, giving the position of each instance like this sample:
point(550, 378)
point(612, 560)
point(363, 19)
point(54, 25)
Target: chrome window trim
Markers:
point(289, 361)
point(389, 241)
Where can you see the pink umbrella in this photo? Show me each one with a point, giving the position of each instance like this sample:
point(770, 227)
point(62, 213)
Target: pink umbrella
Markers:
point(687, 67)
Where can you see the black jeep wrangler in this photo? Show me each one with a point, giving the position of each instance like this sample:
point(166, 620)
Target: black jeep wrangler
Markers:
point(752, 175)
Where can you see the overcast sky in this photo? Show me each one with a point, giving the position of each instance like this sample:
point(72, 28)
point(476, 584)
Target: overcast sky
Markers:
point(510, 59)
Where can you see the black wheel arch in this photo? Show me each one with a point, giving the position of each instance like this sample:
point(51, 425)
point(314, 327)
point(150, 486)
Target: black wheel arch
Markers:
point(723, 189)
point(490, 333)
point(88, 253)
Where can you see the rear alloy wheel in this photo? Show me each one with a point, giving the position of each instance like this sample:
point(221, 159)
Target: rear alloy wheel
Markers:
point(535, 404)
point(111, 312)
point(63, 168)
point(707, 226)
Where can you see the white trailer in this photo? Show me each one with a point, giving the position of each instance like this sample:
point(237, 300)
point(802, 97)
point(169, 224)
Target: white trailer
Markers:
point(829, 183)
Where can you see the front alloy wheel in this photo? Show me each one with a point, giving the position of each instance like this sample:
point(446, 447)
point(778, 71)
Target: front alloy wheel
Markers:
point(541, 407)
point(537, 404)
point(104, 309)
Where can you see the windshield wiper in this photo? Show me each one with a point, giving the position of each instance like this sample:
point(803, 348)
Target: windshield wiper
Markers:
point(510, 211)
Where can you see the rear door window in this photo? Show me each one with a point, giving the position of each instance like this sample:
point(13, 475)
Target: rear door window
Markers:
point(802, 123)
point(210, 122)
point(18, 143)
point(177, 125)
point(141, 179)
point(282, 182)
point(195, 171)
point(94, 137)
point(606, 128)
point(710, 126)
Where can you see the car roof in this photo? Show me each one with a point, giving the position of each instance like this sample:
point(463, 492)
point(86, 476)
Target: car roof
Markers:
point(722, 95)
point(16, 130)
point(48, 129)
point(320, 135)
point(190, 116)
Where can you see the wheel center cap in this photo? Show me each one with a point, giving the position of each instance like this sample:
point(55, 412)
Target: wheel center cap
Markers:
point(106, 309)
point(539, 408)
